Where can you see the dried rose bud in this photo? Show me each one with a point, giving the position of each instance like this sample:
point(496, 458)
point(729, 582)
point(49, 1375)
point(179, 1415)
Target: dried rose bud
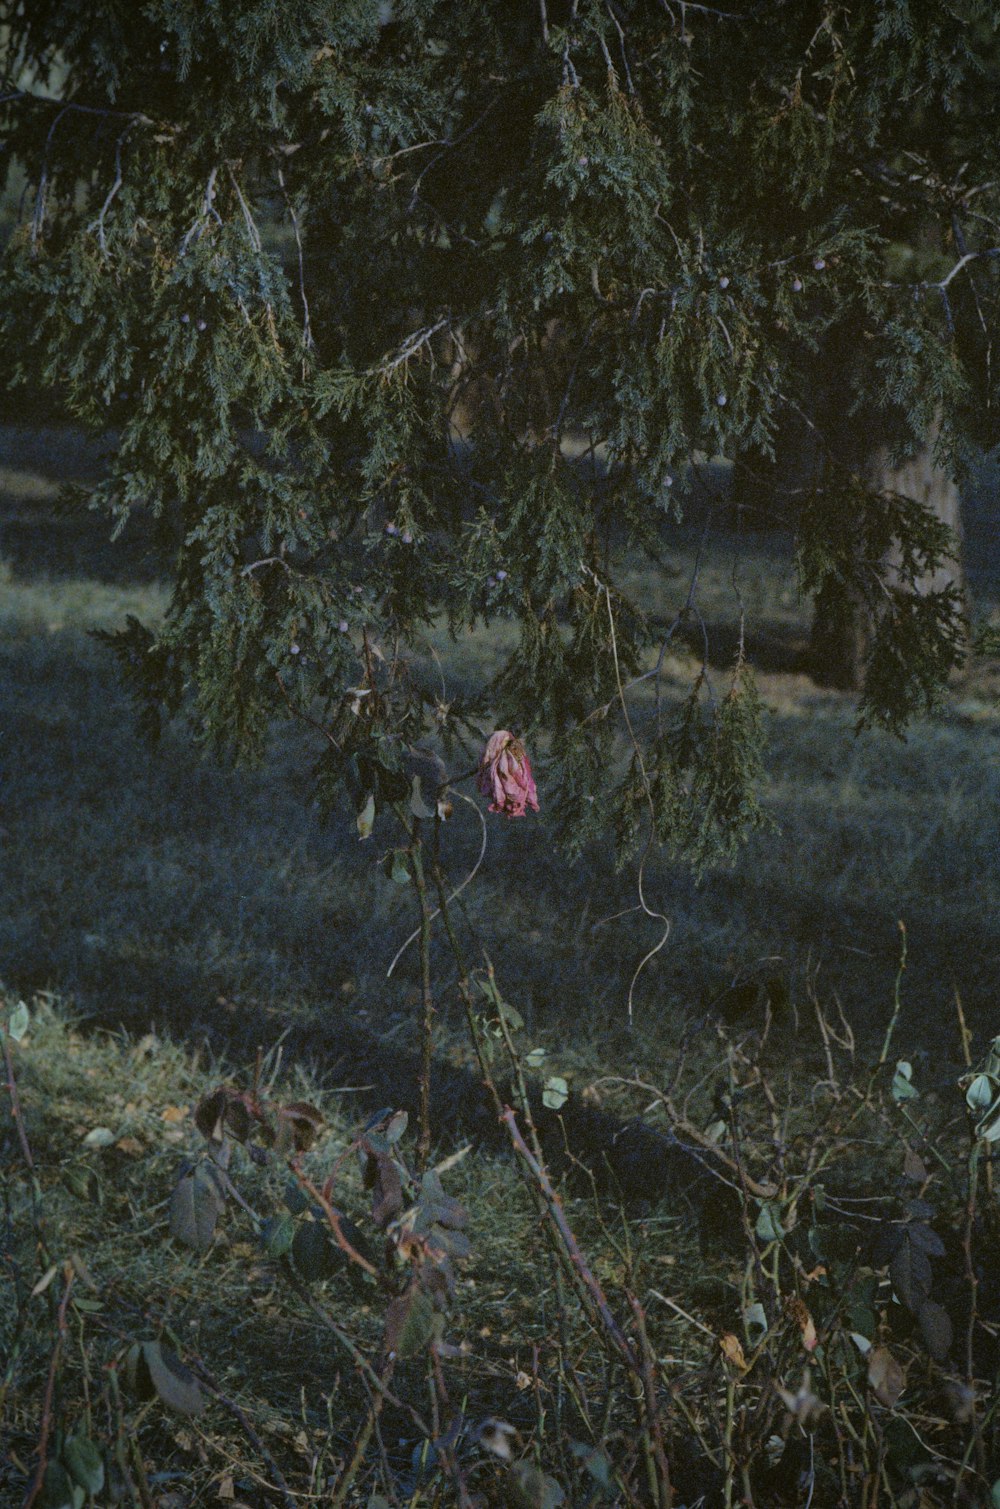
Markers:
point(505, 775)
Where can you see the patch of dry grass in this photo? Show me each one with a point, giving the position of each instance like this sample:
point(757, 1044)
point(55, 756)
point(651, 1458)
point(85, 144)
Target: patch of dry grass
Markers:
point(779, 1313)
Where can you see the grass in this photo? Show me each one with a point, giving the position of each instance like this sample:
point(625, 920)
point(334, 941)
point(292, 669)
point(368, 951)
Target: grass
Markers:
point(185, 905)
point(106, 1200)
point(286, 1355)
point(157, 887)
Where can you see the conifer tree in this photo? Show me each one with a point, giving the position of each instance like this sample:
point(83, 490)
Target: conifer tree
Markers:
point(291, 254)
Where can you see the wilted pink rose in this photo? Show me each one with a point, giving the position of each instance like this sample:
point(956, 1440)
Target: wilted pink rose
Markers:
point(505, 775)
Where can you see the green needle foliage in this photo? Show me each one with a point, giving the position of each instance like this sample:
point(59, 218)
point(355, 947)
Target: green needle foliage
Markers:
point(354, 284)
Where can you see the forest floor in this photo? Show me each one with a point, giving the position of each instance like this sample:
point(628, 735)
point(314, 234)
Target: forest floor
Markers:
point(160, 888)
point(172, 924)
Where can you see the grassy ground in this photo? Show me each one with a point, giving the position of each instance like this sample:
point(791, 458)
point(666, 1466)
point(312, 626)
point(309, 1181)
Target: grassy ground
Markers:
point(195, 903)
point(161, 888)
point(268, 1392)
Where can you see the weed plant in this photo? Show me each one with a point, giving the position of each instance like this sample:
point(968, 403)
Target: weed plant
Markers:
point(223, 1286)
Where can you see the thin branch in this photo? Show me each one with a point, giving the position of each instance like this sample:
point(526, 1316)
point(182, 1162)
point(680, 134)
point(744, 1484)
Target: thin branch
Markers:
point(207, 209)
point(411, 346)
point(577, 1260)
point(360, 1361)
point(621, 42)
point(307, 336)
point(446, 146)
point(64, 105)
point(458, 889)
point(960, 265)
point(98, 224)
point(297, 712)
point(334, 1222)
point(248, 1430)
point(38, 1480)
point(252, 232)
point(707, 10)
point(38, 218)
point(267, 560)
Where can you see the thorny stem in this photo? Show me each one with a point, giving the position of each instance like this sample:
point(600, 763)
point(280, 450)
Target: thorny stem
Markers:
point(641, 1365)
point(46, 1426)
point(465, 991)
point(360, 1447)
point(358, 1358)
point(976, 1441)
point(136, 1486)
point(515, 1062)
point(333, 1220)
point(663, 1492)
point(590, 1288)
point(897, 998)
point(427, 995)
point(248, 1430)
point(730, 1474)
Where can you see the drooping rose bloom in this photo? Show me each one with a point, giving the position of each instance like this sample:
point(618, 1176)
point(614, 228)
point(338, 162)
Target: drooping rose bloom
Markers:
point(505, 775)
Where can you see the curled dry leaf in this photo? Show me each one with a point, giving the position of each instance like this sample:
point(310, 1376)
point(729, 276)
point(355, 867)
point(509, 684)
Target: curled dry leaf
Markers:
point(195, 1206)
point(299, 1124)
point(223, 1110)
point(387, 1189)
point(732, 1350)
point(886, 1377)
point(796, 1311)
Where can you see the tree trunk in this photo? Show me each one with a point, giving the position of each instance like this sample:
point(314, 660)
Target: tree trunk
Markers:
point(841, 634)
point(842, 624)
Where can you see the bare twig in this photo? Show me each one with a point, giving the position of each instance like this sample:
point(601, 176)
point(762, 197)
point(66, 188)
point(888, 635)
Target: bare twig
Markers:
point(304, 717)
point(17, 1114)
point(307, 336)
point(427, 995)
point(98, 224)
point(248, 1430)
point(46, 1426)
point(334, 1222)
point(359, 1359)
point(411, 346)
point(589, 1285)
point(643, 903)
point(446, 146)
point(458, 889)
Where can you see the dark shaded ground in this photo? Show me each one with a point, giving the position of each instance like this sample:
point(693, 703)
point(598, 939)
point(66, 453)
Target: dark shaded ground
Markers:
point(160, 887)
point(47, 532)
